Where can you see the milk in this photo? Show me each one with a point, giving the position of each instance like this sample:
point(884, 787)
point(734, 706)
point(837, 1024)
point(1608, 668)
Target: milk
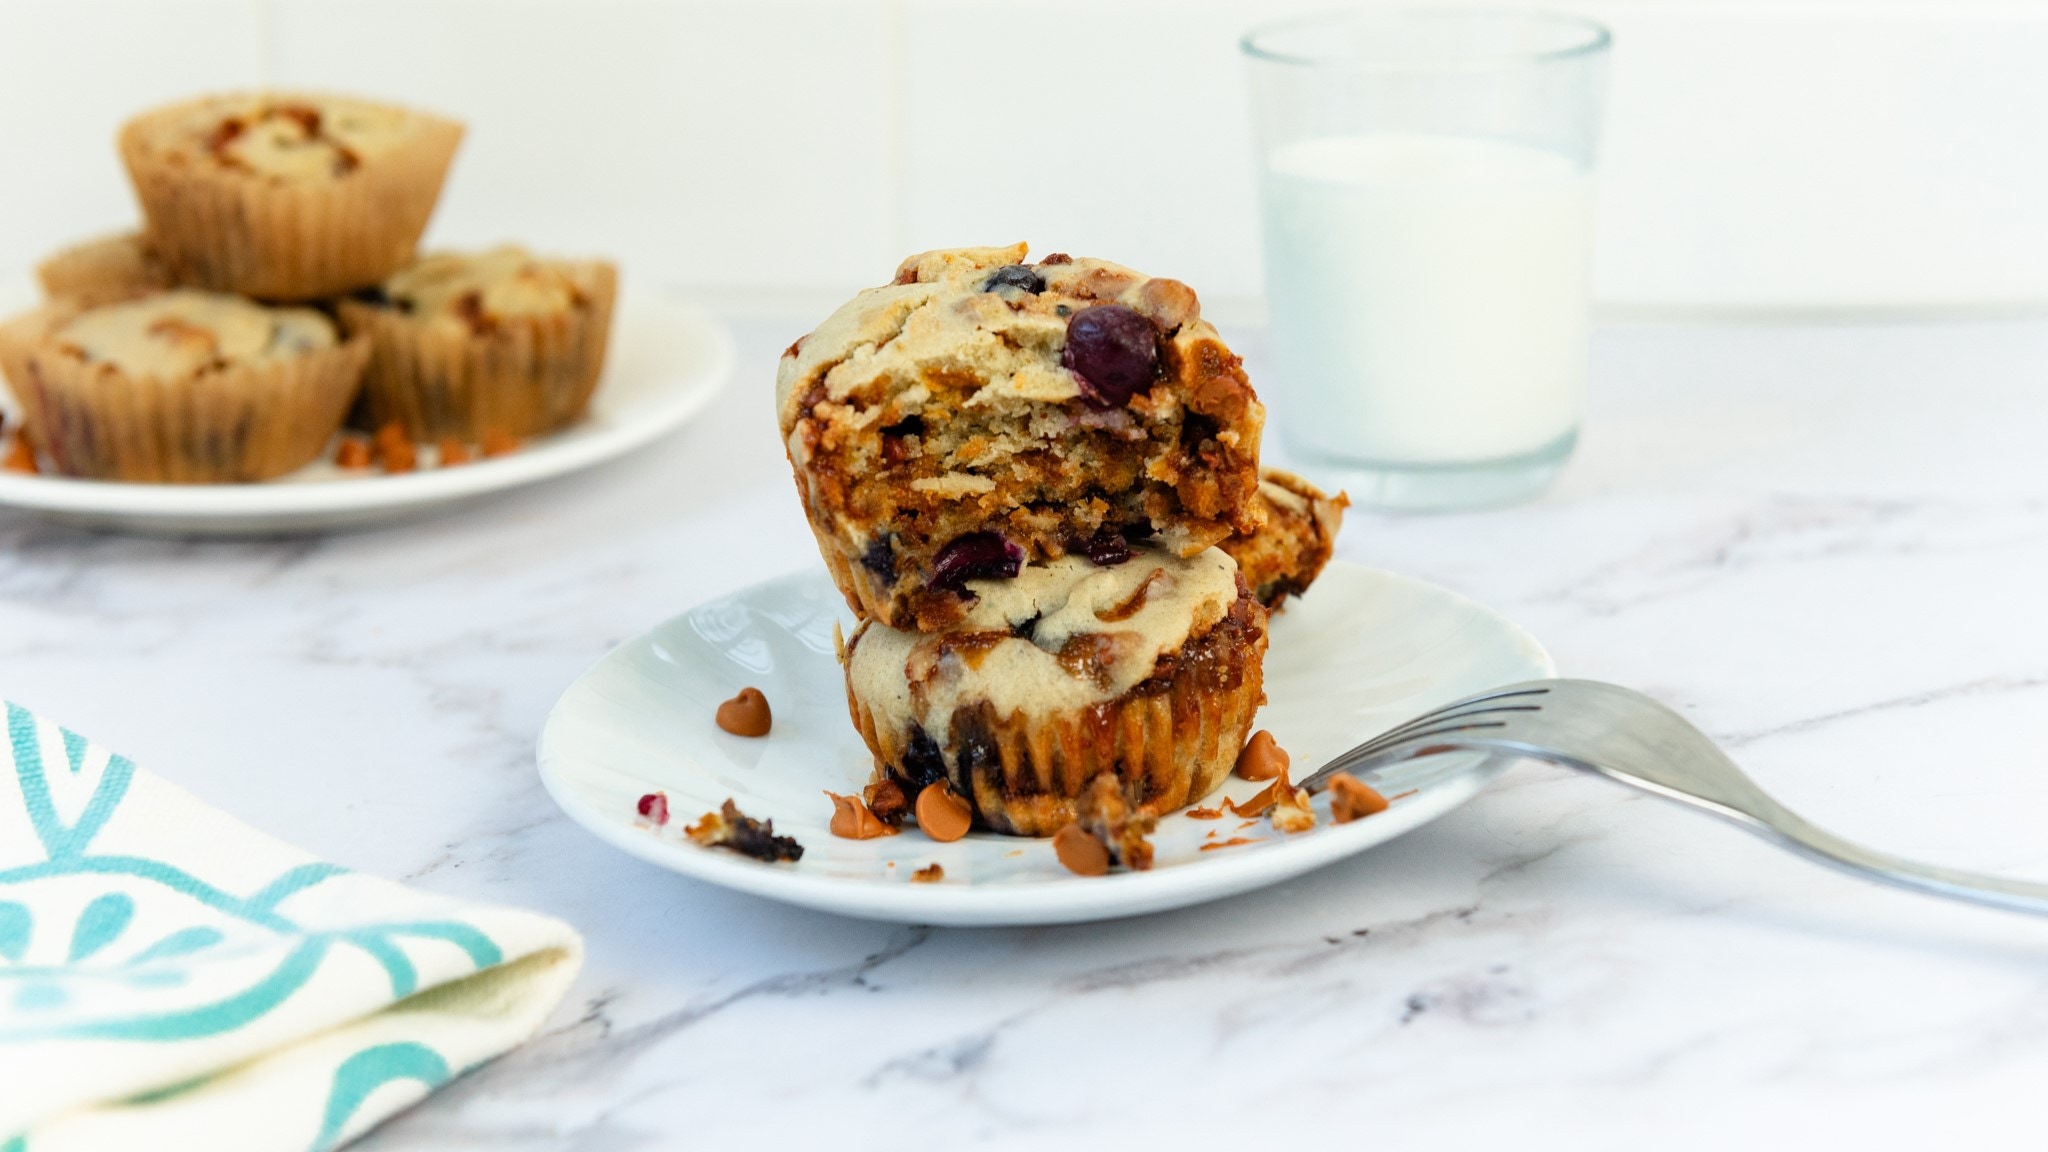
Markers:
point(1429, 296)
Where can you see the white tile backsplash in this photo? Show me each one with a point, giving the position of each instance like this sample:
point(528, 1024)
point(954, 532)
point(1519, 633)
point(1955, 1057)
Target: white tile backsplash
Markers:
point(1788, 155)
point(73, 71)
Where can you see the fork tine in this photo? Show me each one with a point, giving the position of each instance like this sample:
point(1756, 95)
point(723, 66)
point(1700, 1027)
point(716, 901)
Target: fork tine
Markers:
point(1450, 711)
point(1375, 747)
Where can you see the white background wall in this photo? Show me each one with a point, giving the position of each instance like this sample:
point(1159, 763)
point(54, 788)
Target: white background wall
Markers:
point(1802, 154)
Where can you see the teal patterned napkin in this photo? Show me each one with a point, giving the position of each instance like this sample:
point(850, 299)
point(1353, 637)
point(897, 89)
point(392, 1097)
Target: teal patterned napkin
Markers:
point(172, 979)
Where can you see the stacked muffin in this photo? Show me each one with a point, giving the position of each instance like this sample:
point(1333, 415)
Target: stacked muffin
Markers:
point(275, 282)
point(1028, 481)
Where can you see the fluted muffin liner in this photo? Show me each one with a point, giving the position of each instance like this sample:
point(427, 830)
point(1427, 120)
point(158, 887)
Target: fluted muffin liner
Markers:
point(1169, 746)
point(246, 421)
point(527, 375)
point(287, 240)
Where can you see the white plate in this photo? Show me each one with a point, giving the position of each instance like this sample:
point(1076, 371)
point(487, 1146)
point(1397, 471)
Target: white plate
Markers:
point(1365, 650)
point(667, 360)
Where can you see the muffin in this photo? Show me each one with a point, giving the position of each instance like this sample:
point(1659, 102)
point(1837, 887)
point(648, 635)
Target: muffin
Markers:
point(1283, 556)
point(1149, 670)
point(980, 412)
point(286, 196)
point(181, 387)
point(102, 271)
point(491, 342)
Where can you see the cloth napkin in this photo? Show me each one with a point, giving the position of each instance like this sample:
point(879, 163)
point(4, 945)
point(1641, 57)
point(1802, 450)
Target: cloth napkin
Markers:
point(171, 978)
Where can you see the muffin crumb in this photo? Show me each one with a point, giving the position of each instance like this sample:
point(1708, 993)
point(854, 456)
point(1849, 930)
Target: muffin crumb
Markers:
point(931, 873)
point(653, 807)
point(1105, 813)
point(735, 831)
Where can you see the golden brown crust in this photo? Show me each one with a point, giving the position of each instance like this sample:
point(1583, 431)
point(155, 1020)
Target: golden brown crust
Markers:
point(1169, 741)
point(225, 228)
point(520, 375)
point(936, 407)
point(1283, 556)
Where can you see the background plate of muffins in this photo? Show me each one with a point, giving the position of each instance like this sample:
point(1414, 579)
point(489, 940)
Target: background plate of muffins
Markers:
point(1060, 596)
point(270, 352)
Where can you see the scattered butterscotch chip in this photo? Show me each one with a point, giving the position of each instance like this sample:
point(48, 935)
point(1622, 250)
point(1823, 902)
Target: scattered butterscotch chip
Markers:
point(942, 814)
point(21, 456)
point(1261, 759)
point(352, 452)
point(1233, 842)
point(394, 449)
point(1353, 799)
point(1291, 812)
point(929, 874)
point(1257, 805)
point(886, 800)
point(734, 830)
point(1215, 813)
point(496, 443)
point(1081, 851)
point(1106, 812)
point(746, 714)
point(852, 820)
point(654, 808)
point(453, 452)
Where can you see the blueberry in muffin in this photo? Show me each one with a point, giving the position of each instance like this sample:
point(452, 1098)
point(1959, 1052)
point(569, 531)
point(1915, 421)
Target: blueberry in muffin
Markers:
point(981, 413)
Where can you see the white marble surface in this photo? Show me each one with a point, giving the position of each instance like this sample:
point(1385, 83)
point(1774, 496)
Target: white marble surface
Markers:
point(1826, 545)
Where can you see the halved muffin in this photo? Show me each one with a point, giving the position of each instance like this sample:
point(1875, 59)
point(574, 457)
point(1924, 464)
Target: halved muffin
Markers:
point(980, 411)
point(181, 387)
point(1149, 669)
point(102, 271)
point(468, 344)
point(1283, 556)
point(286, 196)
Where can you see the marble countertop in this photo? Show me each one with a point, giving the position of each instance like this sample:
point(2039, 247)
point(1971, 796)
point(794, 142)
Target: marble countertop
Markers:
point(1827, 545)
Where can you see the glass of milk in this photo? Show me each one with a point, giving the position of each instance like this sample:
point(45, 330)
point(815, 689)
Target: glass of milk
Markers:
point(1426, 178)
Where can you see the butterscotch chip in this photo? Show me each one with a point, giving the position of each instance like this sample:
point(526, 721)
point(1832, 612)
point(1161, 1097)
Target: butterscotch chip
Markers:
point(746, 714)
point(929, 874)
point(453, 452)
point(496, 443)
point(1262, 759)
point(943, 816)
point(352, 453)
point(852, 820)
point(394, 450)
point(1353, 799)
point(21, 456)
point(1081, 851)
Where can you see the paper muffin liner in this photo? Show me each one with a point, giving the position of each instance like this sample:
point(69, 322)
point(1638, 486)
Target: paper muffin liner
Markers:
point(527, 375)
point(1169, 746)
point(242, 422)
point(287, 240)
point(102, 271)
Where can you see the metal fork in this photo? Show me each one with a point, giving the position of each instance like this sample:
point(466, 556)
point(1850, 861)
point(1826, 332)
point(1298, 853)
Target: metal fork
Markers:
point(1626, 736)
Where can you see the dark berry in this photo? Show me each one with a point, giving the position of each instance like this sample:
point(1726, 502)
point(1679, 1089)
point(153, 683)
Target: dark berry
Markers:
point(880, 559)
point(922, 761)
point(1105, 549)
point(976, 556)
point(1113, 351)
point(654, 806)
point(1019, 276)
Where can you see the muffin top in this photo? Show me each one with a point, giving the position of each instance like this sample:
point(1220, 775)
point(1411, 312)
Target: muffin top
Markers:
point(980, 313)
point(182, 333)
point(480, 288)
point(1057, 636)
point(281, 137)
point(102, 270)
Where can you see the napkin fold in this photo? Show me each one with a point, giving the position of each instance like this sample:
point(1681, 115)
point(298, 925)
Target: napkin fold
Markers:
point(171, 978)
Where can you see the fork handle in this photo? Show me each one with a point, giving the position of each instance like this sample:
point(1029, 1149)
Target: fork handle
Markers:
point(1788, 829)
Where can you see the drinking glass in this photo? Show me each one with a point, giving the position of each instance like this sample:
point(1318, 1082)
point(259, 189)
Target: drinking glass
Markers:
point(1426, 183)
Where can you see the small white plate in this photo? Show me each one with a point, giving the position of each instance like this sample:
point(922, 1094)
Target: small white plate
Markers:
point(667, 360)
point(1363, 651)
